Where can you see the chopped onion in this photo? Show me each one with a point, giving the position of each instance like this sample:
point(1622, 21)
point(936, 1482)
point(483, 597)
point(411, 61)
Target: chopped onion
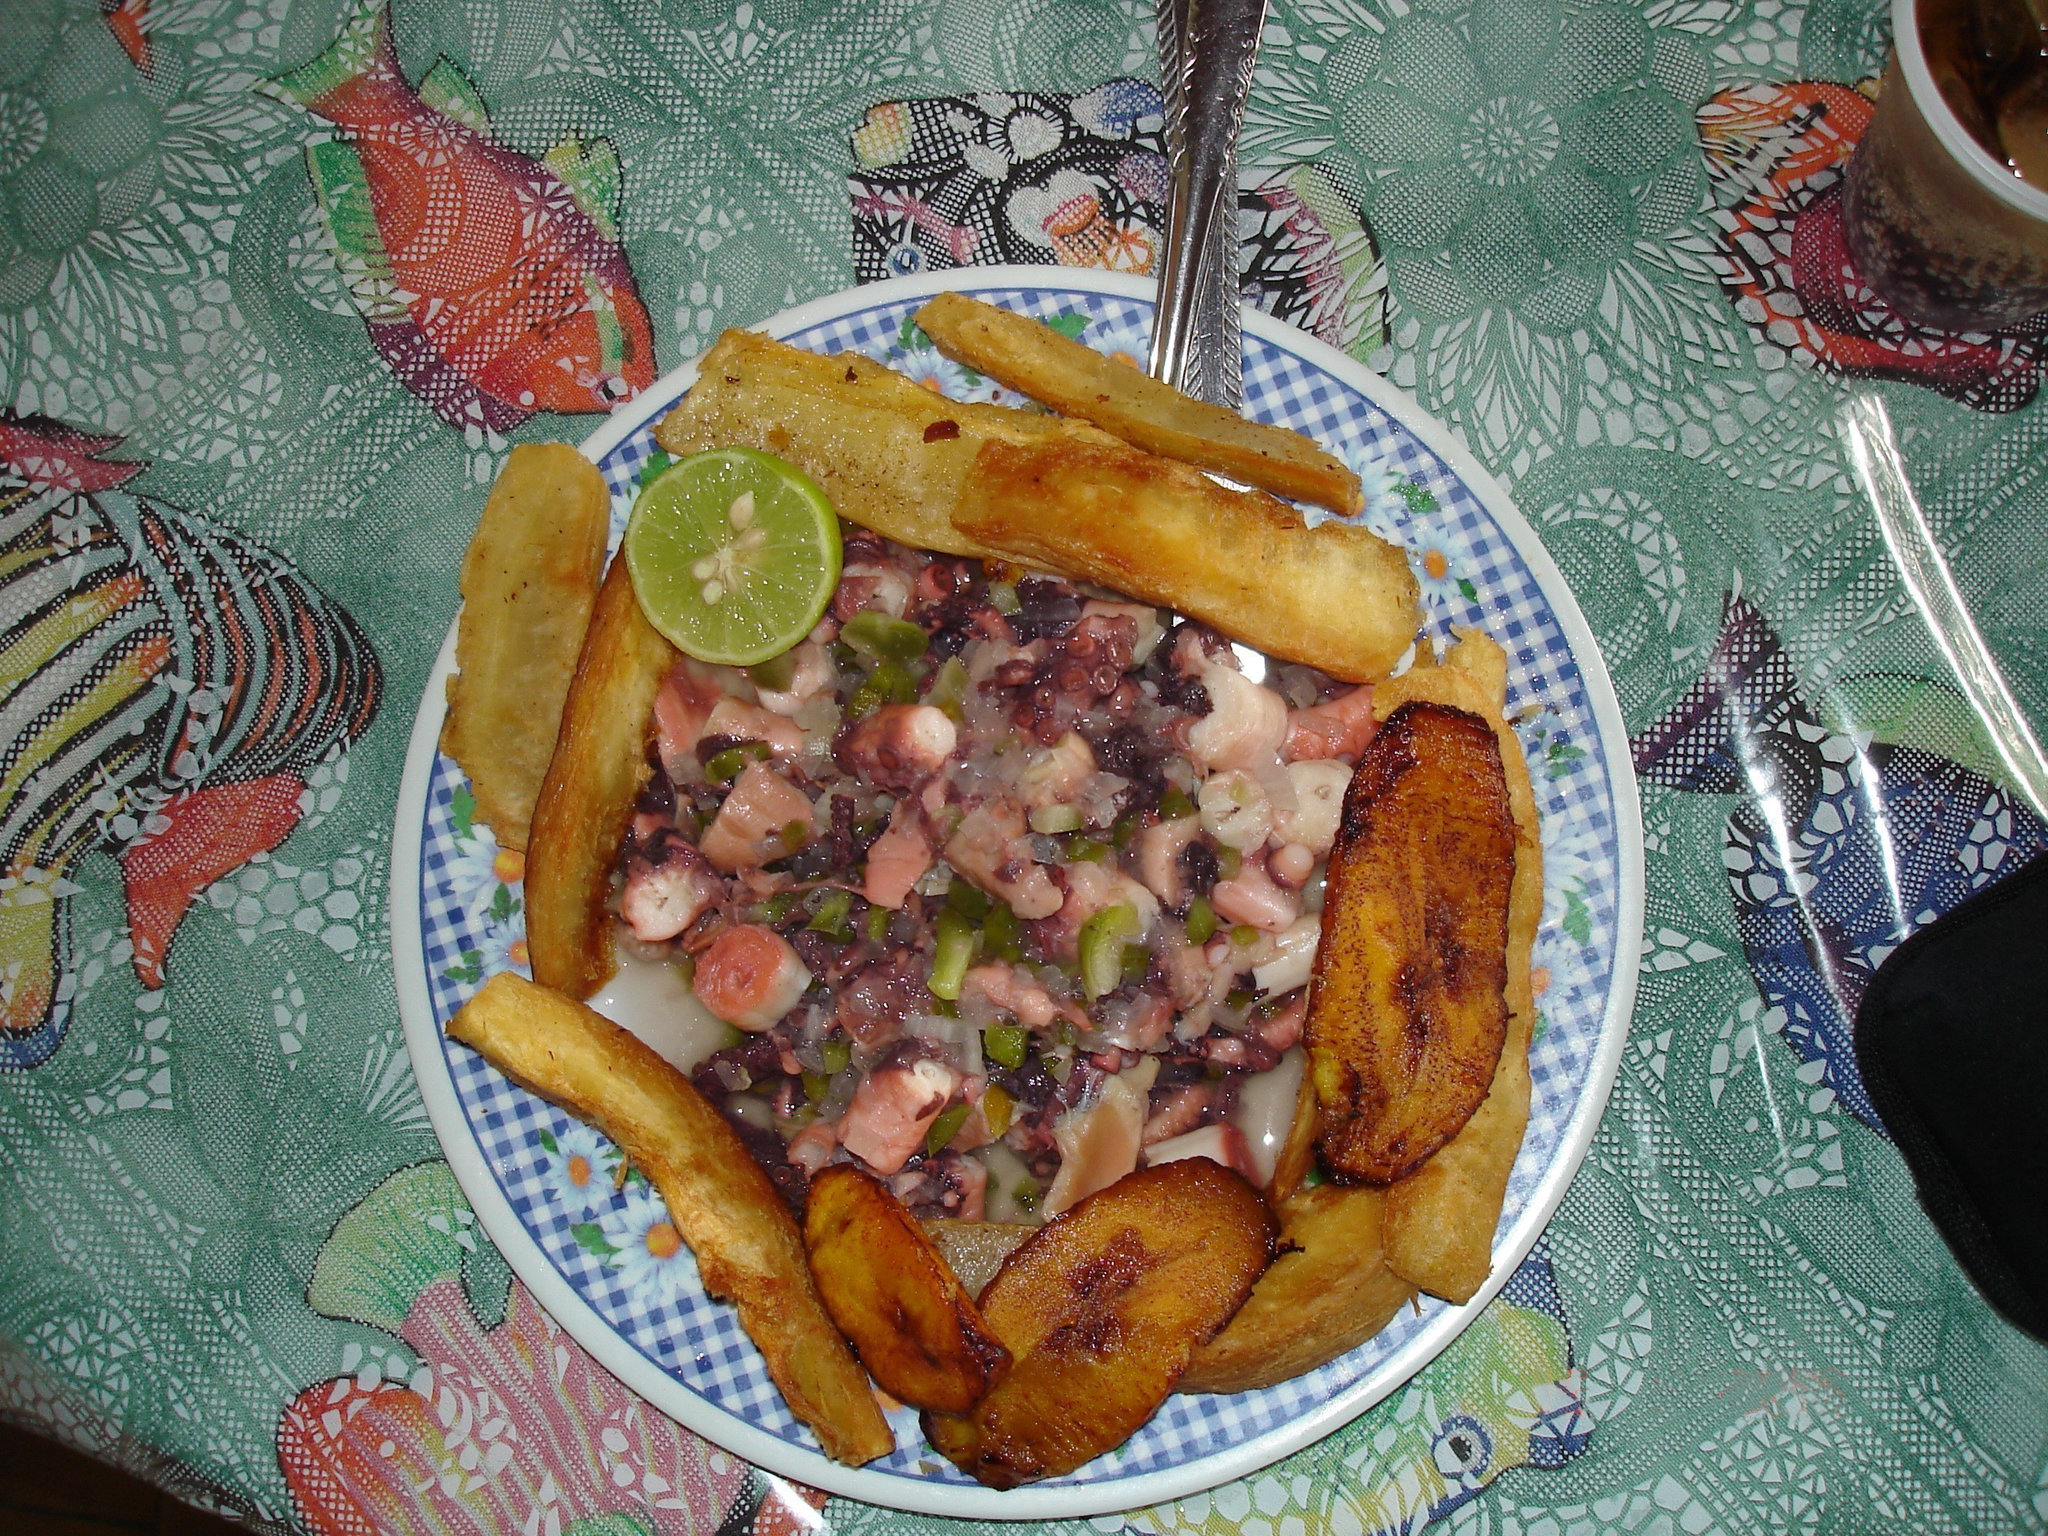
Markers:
point(751, 1108)
point(1265, 1109)
point(1013, 1194)
point(960, 1038)
point(1098, 797)
point(1295, 956)
point(839, 1093)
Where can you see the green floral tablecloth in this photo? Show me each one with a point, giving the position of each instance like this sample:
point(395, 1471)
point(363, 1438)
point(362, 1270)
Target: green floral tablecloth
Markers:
point(246, 436)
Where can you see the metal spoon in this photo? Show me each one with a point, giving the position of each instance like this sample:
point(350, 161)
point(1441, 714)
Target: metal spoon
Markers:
point(1206, 52)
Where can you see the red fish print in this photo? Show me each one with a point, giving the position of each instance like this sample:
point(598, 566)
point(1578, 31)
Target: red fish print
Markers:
point(1777, 154)
point(166, 689)
point(493, 284)
point(128, 20)
point(53, 453)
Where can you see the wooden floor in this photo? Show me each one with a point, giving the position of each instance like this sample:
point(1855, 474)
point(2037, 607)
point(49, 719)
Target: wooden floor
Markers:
point(46, 1490)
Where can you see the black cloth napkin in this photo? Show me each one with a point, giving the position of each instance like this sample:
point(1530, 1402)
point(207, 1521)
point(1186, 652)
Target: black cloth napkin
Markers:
point(1952, 1037)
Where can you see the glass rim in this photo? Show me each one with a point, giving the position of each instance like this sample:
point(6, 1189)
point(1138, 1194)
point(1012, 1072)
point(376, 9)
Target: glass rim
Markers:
point(1984, 168)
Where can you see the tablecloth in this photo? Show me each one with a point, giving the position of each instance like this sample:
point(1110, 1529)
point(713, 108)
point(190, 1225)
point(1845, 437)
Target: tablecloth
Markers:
point(240, 459)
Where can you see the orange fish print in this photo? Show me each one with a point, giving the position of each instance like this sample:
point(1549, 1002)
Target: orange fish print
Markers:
point(493, 284)
point(128, 20)
point(1777, 153)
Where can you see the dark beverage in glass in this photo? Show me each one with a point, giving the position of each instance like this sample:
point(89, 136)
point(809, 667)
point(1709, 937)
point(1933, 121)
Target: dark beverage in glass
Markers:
point(1946, 206)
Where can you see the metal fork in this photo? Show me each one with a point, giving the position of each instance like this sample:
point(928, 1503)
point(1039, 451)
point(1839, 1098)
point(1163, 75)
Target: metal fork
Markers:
point(1206, 52)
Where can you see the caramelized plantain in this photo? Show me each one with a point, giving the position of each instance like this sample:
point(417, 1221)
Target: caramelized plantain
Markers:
point(890, 1292)
point(1440, 1220)
point(1101, 1310)
point(1408, 1012)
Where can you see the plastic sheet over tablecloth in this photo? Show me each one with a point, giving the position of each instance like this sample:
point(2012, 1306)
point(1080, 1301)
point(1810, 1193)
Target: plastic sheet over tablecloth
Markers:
point(253, 408)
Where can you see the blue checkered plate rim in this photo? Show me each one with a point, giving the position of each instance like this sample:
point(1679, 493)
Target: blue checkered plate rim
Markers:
point(456, 920)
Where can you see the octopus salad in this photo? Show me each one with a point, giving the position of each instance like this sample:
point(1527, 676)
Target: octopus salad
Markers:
point(999, 886)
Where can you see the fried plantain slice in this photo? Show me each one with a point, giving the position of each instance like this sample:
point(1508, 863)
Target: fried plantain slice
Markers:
point(893, 1295)
point(1407, 1011)
point(746, 1242)
point(586, 800)
point(1440, 1220)
point(1101, 1310)
point(1328, 1292)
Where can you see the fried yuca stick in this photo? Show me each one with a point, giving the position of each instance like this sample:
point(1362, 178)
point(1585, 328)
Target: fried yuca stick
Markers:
point(746, 1242)
point(529, 581)
point(1439, 1222)
point(1034, 359)
point(586, 801)
point(1328, 1292)
point(1336, 597)
point(984, 480)
point(890, 456)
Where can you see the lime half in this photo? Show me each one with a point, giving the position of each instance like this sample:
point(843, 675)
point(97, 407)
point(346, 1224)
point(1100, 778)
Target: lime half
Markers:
point(734, 555)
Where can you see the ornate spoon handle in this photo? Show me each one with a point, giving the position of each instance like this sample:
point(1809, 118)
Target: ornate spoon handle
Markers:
point(1206, 52)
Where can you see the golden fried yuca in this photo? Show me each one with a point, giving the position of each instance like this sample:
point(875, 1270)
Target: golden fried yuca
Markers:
point(1407, 1007)
point(1017, 486)
point(907, 1315)
point(586, 800)
point(747, 1246)
point(1101, 1310)
point(528, 584)
point(888, 454)
point(1328, 1292)
point(1336, 597)
point(1440, 1220)
point(1034, 359)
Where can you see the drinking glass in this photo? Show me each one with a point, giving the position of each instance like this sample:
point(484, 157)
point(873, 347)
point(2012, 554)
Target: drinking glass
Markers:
point(1949, 235)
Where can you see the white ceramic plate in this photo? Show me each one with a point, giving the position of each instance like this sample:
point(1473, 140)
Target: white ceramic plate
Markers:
point(455, 921)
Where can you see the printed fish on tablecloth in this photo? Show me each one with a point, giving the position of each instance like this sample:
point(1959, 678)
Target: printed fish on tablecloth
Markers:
point(1839, 849)
point(1777, 154)
point(1505, 1394)
point(468, 1428)
point(1080, 181)
point(129, 21)
point(493, 285)
point(166, 686)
